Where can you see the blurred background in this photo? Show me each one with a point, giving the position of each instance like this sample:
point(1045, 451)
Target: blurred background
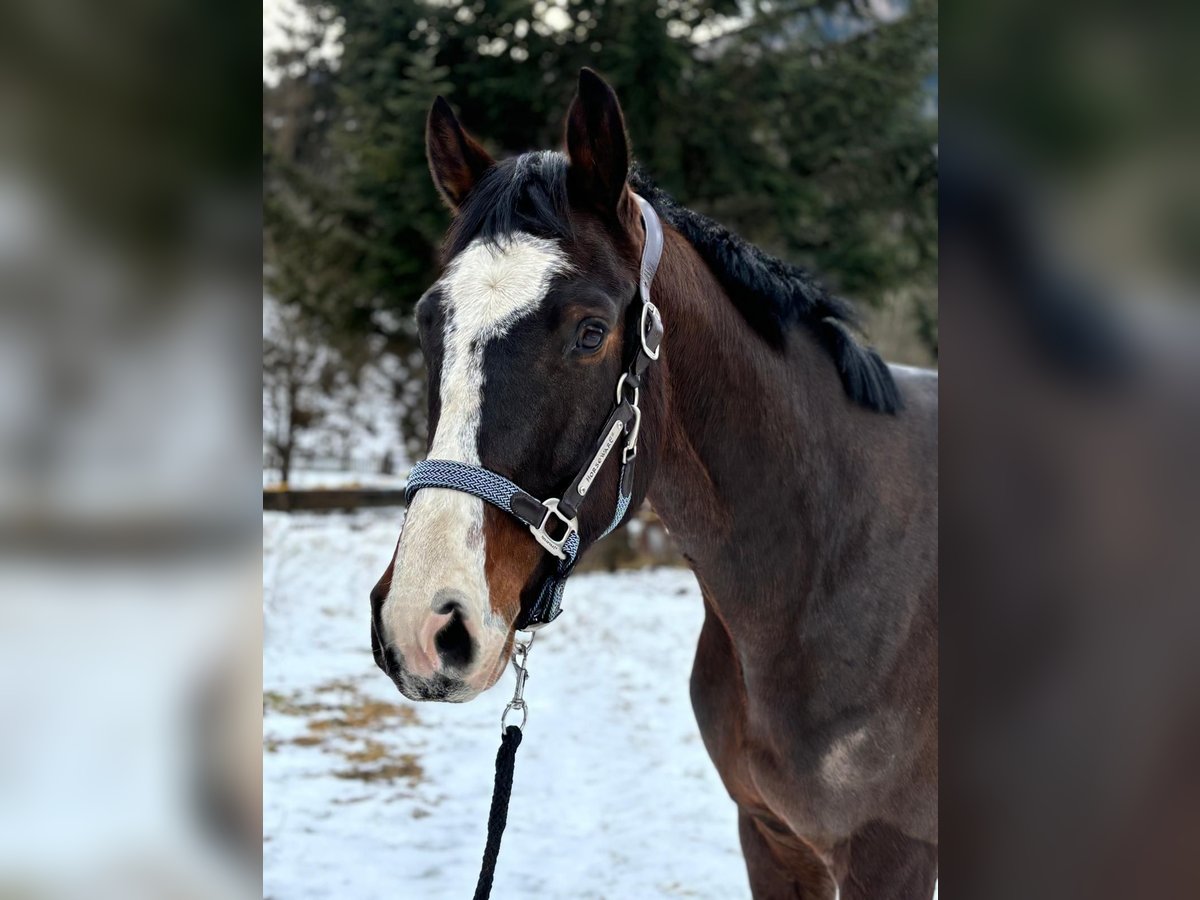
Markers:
point(130, 297)
point(1070, 431)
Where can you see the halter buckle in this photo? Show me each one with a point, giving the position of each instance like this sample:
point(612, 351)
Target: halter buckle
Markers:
point(651, 327)
point(542, 536)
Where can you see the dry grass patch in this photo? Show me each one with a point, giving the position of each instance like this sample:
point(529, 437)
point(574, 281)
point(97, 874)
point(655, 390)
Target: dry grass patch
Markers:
point(404, 766)
point(342, 720)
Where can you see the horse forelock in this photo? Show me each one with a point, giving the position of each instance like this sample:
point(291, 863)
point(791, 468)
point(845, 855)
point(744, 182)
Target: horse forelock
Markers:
point(526, 194)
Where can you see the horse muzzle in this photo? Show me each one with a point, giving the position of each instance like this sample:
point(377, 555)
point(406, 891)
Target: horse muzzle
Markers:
point(445, 654)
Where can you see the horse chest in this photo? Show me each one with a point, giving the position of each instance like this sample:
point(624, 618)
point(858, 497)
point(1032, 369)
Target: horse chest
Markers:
point(818, 779)
point(741, 749)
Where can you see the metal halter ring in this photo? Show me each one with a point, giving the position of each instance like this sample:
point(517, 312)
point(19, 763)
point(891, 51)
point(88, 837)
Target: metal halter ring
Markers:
point(543, 537)
point(524, 715)
point(637, 393)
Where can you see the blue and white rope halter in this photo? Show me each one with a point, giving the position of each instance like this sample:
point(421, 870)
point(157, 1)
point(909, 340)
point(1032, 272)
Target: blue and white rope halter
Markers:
point(554, 522)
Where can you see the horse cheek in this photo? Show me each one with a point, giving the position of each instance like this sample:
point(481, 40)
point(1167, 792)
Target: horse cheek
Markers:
point(511, 556)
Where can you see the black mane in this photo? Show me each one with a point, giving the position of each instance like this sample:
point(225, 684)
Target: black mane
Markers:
point(529, 193)
point(773, 295)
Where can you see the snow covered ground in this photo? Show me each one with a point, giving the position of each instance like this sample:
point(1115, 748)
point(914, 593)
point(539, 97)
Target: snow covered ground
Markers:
point(368, 795)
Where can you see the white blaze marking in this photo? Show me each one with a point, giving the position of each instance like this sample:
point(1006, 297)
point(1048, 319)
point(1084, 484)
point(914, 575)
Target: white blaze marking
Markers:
point(485, 290)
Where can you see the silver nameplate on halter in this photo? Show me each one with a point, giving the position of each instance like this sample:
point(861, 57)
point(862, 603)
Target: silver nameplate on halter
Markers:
point(594, 469)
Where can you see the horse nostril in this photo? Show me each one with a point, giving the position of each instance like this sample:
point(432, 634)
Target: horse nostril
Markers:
point(453, 642)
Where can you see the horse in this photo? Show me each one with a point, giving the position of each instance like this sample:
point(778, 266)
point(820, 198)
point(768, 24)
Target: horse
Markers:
point(796, 470)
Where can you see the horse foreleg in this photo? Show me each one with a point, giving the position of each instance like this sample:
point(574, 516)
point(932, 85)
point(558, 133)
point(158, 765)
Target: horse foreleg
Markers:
point(881, 863)
point(780, 866)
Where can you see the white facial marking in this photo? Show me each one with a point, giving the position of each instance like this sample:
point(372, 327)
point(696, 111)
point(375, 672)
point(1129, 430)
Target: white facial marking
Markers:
point(485, 290)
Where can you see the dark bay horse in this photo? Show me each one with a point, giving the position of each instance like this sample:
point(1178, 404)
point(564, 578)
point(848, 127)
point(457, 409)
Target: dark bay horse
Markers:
point(796, 470)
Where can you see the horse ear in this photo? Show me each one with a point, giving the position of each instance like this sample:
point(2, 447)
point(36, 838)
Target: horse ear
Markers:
point(456, 160)
point(596, 142)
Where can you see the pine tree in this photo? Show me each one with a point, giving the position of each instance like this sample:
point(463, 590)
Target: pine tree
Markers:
point(806, 125)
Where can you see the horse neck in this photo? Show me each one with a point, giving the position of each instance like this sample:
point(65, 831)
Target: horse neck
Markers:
point(753, 444)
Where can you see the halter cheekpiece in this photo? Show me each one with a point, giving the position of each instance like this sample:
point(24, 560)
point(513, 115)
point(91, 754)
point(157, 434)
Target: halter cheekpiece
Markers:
point(554, 522)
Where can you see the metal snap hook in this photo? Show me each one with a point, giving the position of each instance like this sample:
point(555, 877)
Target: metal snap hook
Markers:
point(520, 655)
point(631, 443)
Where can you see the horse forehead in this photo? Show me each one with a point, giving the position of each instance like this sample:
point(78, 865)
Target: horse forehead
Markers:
point(491, 284)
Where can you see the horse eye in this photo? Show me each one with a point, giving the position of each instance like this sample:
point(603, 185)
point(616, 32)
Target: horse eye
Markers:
point(591, 337)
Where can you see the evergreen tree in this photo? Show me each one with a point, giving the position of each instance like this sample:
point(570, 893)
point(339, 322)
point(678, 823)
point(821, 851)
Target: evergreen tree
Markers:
point(806, 125)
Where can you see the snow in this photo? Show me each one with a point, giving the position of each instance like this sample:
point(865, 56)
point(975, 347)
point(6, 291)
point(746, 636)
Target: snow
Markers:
point(367, 794)
point(350, 414)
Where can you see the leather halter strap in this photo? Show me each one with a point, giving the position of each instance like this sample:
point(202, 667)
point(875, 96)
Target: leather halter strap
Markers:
point(554, 522)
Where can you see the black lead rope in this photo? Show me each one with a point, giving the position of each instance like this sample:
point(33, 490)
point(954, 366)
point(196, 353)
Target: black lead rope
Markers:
point(506, 760)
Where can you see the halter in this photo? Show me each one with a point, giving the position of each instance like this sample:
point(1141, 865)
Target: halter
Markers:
point(554, 522)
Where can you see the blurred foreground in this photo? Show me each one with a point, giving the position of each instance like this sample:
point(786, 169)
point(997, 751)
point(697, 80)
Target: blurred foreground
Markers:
point(130, 281)
point(1070, 199)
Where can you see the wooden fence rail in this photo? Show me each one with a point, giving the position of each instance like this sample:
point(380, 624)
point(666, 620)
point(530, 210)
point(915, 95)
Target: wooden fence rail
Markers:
point(643, 541)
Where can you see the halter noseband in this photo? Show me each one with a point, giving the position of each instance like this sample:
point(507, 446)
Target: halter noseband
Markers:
point(554, 523)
